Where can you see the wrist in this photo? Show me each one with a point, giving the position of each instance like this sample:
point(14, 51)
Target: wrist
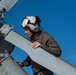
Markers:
point(22, 64)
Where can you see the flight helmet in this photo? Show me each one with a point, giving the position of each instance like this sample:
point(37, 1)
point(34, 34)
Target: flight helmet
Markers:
point(33, 22)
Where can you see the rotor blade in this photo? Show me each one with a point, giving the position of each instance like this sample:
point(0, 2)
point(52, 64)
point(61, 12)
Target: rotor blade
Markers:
point(40, 56)
point(7, 4)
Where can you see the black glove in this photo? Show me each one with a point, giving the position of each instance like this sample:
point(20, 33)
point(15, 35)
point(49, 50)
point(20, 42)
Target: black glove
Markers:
point(20, 63)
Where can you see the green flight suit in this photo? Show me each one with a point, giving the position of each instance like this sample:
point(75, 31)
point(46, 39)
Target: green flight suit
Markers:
point(50, 45)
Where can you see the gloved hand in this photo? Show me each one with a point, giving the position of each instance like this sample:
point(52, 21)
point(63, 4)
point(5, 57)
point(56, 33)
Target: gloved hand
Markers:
point(20, 63)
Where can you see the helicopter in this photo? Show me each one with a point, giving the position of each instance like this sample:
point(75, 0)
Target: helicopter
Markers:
point(8, 66)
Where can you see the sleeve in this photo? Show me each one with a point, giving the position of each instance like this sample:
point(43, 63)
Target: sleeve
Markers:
point(52, 47)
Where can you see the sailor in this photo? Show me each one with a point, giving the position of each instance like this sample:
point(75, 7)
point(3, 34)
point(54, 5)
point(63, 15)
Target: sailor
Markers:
point(31, 26)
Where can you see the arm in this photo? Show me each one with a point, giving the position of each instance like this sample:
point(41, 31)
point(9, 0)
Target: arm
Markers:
point(26, 62)
point(52, 47)
point(47, 42)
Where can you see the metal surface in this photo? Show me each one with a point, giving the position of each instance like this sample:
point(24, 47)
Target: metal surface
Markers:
point(7, 4)
point(9, 67)
point(5, 45)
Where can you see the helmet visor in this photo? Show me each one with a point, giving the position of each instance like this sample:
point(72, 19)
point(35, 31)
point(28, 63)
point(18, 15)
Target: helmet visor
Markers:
point(25, 23)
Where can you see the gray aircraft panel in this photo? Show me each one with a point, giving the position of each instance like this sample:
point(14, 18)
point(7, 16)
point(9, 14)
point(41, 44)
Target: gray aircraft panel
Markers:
point(8, 66)
point(7, 4)
point(12, 68)
point(40, 56)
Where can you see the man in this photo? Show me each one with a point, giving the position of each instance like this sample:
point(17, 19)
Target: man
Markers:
point(31, 26)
